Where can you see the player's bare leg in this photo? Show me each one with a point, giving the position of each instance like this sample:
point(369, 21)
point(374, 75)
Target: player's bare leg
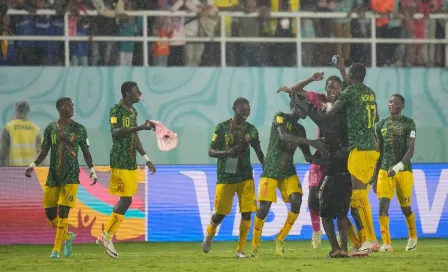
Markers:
point(211, 231)
point(328, 224)
point(296, 201)
point(343, 230)
point(412, 232)
point(360, 201)
point(258, 227)
point(114, 223)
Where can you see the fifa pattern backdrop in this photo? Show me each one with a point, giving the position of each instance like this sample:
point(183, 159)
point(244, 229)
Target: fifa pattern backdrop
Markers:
point(186, 194)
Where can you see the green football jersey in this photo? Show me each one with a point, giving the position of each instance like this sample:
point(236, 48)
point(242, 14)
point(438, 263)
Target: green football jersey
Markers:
point(279, 161)
point(394, 135)
point(361, 110)
point(225, 137)
point(123, 154)
point(64, 165)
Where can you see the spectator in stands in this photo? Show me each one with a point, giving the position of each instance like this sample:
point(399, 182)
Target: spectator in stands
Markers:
point(213, 50)
point(25, 26)
point(440, 33)
point(80, 50)
point(404, 51)
point(8, 50)
point(201, 26)
point(177, 48)
point(103, 53)
point(130, 27)
point(361, 52)
point(308, 31)
point(250, 27)
point(384, 51)
point(342, 27)
point(55, 49)
point(426, 29)
point(21, 138)
point(43, 28)
point(161, 49)
point(323, 52)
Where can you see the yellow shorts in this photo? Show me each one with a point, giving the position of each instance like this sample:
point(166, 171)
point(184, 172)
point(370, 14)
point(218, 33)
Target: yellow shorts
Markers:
point(402, 182)
point(60, 195)
point(361, 164)
point(246, 197)
point(123, 182)
point(286, 186)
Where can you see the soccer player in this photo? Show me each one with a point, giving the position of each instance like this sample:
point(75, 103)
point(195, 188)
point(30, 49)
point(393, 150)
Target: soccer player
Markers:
point(123, 159)
point(396, 139)
point(359, 102)
point(64, 137)
point(230, 145)
point(279, 171)
point(21, 139)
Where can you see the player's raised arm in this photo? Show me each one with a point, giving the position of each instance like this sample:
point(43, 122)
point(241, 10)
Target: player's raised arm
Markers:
point(46, 144)
point(142, 153)
point(298, 87)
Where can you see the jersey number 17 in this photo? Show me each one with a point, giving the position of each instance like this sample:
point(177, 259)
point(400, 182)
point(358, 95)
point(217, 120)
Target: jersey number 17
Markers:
point(371, 115)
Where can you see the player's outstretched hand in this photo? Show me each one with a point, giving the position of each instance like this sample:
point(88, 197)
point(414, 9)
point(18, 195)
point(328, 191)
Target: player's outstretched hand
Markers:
point(28, 172)
point(340, 64)
point(152, 168)
point(317, 76)
point(148, 125)
point(285, 89)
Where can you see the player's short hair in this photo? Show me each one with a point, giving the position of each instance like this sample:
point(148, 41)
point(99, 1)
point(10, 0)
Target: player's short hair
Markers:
point(61, 101)
point(334, 78)
point(240, 100)
point(399, 96)
point(127, 86)
point(358, 71)
point(23, 107)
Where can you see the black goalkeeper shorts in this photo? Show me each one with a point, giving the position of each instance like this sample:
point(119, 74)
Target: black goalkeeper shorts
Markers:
point(335, 192)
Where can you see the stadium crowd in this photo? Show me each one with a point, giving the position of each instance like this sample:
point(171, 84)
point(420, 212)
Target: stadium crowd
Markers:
point(397, 22)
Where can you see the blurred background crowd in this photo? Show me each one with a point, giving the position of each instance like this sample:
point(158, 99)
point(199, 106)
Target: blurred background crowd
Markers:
point(397, 21)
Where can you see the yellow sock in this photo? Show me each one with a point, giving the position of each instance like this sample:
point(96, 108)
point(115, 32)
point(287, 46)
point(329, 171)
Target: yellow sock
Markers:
point(385, 233)
point(292, 217)
point(211, 228)
point(258, 228)
point(353, 236)
point(360, 199)
point(410, 221)
point(362, 235)
point(60, 230)
point(244, 232)
point(113, 225)
point(54, 224)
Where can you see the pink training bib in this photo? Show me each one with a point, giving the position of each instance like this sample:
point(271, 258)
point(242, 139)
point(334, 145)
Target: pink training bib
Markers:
point(166, 139)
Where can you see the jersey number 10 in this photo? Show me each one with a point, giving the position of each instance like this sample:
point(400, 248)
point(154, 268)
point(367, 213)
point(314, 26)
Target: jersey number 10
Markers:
point(371, 115)
point(126, 122)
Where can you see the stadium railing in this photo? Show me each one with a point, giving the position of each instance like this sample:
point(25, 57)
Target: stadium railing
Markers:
point(298, 40)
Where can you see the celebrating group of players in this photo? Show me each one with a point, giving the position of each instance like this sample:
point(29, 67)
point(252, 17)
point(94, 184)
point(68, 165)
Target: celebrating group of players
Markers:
point(354, 149)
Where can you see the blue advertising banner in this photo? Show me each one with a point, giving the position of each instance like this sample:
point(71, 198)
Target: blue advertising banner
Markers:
point(180, 202)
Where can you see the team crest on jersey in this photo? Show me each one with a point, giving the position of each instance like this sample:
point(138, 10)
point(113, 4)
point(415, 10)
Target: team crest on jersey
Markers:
point(72, 137)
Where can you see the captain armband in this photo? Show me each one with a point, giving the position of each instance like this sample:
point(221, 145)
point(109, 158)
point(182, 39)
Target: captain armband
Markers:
point(412, 134)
